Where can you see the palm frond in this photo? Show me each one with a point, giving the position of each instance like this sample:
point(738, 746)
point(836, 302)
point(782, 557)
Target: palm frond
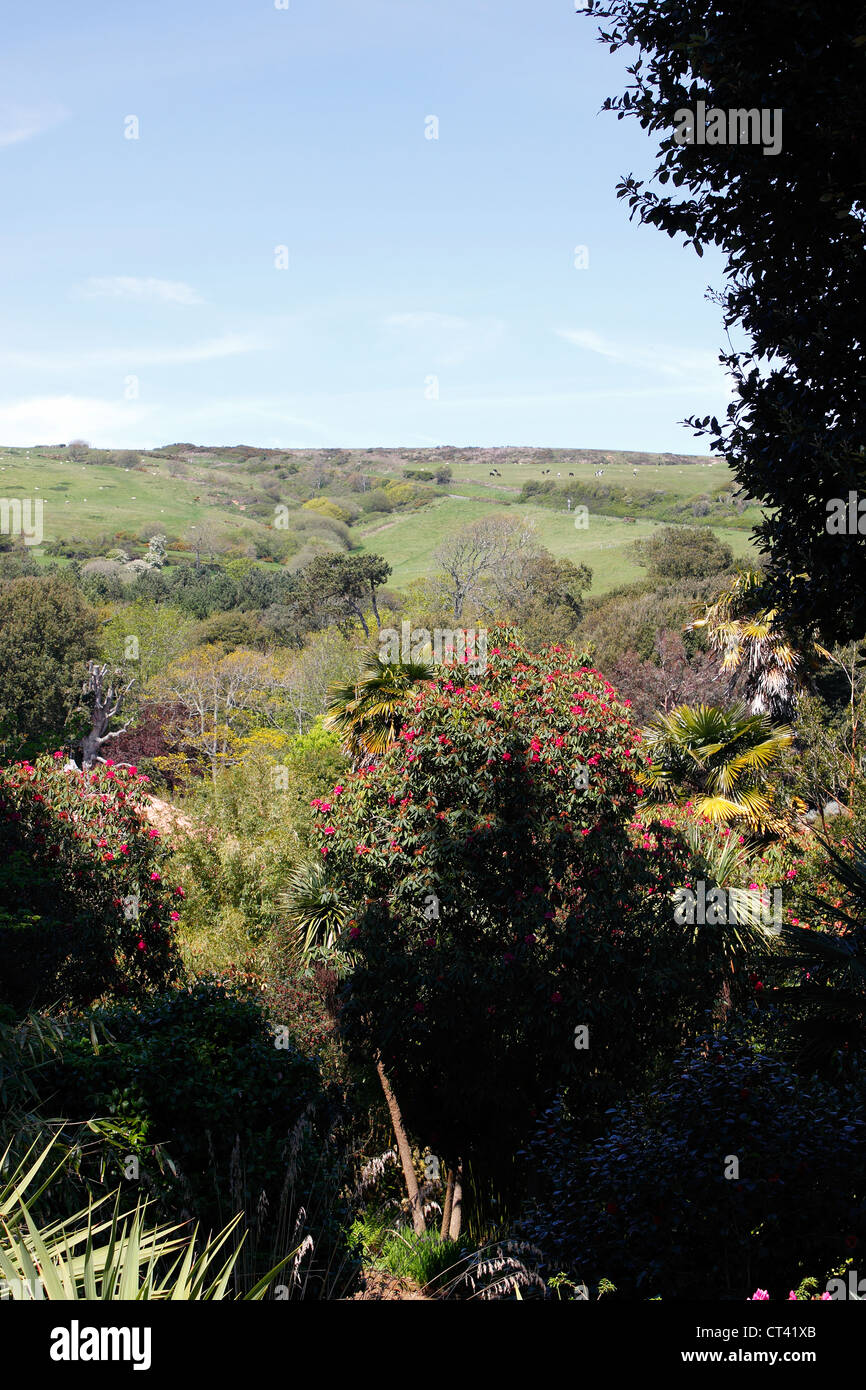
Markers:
point(312, 910)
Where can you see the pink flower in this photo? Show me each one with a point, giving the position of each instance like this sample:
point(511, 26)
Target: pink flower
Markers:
point(758, 1296)
point(354, 933)
point(337, 790)
point(155, 877)
point(506, 757)
point(140, 946)
point(175, 916)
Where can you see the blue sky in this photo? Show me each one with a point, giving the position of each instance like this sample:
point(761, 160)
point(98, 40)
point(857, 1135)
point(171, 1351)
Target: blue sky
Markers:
point(431, 295)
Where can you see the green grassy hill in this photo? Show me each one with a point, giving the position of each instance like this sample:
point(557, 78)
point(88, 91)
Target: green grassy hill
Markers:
point(408, 541)
point(103, 500)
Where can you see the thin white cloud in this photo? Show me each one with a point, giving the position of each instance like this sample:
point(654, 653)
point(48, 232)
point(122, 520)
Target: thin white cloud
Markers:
point(448, 339)
point(228, 345)
point(19, 123)
point(655, 357)
point(57, 419)
point(132, 287)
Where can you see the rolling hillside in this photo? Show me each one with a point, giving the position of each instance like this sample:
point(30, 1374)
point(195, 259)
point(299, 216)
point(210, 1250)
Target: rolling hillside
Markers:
point(96, 500)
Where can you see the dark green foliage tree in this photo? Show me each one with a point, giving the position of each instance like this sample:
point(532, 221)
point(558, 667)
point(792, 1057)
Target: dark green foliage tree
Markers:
point(47, 633)
point(203, 590)
point(792, 230)
point(548, 600)
point(654, 1206)
point(342, 588)
point(683, 552)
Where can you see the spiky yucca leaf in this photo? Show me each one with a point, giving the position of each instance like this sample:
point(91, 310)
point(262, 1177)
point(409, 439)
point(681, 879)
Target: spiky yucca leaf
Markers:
point(313, 911)
point(120, 1257)
point(717, 859)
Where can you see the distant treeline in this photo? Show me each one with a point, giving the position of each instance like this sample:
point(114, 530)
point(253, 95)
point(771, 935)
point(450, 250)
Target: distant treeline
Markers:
point(730, 507)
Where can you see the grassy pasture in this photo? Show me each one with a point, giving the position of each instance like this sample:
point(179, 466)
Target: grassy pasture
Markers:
point(88, 501)
point(408, 540)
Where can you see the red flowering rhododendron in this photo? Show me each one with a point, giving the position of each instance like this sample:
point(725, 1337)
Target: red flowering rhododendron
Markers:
point(82, 868)
point(545, 911)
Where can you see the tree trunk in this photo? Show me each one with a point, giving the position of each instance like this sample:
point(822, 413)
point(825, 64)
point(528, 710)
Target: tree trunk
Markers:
point(375, 606)
point(404, 1151)
point(447, 1206)
point(457, 1204)
point(90, 746)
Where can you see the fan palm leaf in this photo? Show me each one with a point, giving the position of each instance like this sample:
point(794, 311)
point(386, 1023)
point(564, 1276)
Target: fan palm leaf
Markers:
point(367, 712)
point(721, 757)
point(746, 636)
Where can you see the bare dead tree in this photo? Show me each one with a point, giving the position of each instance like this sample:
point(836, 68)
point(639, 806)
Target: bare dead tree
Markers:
point(107, 704)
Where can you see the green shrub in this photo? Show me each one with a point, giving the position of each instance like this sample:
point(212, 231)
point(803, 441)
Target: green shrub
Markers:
point(219, 1116)
point(326, 507)
point(656, 1205)
point(377, 501)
